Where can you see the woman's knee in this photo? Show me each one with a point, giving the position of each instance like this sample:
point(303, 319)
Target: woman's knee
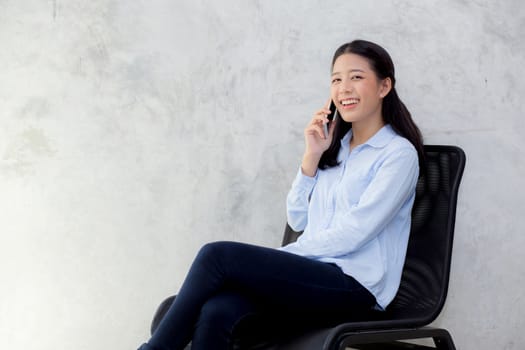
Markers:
point(210, 251)
point(218, 250)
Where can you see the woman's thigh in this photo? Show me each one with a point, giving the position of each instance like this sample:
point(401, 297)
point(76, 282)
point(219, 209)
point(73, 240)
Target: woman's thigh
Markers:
point(283, 279)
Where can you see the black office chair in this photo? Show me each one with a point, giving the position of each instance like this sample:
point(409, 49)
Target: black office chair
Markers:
point(423, 288)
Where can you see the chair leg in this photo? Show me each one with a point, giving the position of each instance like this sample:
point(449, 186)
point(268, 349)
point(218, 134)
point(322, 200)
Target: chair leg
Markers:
point(390, 346)
point(392, 339)
point(444, 341)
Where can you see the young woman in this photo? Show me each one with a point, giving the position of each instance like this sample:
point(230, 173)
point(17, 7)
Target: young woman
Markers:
point(352, 196)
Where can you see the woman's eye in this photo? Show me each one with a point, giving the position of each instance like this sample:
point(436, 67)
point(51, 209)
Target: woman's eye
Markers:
point(336, 80)
point(357, 77)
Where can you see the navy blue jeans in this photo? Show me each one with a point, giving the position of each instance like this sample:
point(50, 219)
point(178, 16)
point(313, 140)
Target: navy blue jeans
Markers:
point(229, 281)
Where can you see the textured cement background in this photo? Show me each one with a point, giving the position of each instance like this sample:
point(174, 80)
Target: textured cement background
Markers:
point(132, 132)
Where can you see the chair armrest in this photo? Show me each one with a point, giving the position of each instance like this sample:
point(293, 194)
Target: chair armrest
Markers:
point(161, 311)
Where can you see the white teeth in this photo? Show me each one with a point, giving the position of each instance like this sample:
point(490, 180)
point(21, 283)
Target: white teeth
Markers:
point(350, 101)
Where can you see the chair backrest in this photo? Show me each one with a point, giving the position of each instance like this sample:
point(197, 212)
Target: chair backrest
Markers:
point(424, 282)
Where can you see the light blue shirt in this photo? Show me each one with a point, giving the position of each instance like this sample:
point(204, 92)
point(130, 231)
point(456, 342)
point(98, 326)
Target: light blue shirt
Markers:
point(357, 215)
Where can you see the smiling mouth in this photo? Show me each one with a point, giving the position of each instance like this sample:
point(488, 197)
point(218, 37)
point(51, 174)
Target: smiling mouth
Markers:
point(349, 102)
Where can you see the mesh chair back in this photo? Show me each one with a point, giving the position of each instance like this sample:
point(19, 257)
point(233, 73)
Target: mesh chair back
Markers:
point(424, 282)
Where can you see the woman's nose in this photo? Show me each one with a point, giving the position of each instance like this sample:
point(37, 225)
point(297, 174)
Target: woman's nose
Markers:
point(345, 86)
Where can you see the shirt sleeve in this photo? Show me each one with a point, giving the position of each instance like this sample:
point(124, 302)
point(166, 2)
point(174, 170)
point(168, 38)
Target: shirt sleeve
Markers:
point(393, 184)
point(298, 200)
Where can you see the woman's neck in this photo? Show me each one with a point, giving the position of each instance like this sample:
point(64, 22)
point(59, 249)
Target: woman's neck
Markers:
point(363, 131)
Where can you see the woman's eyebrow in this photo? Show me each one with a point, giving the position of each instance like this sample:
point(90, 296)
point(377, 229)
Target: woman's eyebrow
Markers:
point(350, 71)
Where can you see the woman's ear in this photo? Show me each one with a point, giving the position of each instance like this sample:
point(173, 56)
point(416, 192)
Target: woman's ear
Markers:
point(386, 86)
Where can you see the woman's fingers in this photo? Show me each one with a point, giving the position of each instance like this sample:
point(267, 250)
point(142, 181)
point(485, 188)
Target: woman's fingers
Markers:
point(316, 127)
point(321, 116)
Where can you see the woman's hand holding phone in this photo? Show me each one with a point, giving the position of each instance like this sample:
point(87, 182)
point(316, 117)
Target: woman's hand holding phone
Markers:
point(317, 141)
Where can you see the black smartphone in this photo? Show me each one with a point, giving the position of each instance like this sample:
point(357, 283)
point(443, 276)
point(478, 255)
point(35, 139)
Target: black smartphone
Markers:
point(331, 116)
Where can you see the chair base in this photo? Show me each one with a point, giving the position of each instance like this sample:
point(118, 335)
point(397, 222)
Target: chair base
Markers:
point(392, 339)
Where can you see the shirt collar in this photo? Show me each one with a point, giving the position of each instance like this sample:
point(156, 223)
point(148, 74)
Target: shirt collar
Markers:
point(380, 139)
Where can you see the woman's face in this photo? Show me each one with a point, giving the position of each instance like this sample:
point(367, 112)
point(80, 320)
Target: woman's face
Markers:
point(356, 89)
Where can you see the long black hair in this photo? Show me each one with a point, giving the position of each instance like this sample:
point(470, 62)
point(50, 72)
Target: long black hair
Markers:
point(394, 111)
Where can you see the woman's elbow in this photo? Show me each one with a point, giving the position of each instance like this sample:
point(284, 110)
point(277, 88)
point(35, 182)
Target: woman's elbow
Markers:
point(296, 222)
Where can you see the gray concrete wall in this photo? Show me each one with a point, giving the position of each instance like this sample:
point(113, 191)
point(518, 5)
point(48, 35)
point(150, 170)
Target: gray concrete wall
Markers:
point(132, 132)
